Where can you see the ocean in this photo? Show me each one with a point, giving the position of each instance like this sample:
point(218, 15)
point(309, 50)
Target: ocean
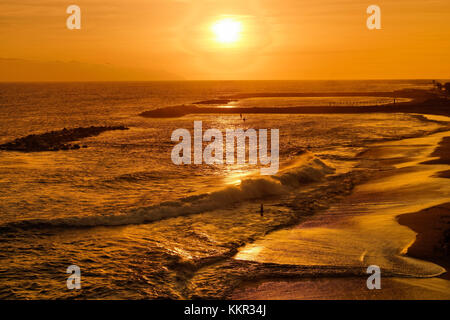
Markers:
point(139, 226)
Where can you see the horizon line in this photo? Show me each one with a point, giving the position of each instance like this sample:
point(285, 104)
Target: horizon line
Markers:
point(223, 80)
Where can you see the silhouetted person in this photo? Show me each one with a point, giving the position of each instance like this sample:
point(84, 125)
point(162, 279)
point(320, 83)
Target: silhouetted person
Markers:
point(261, 211)
point(240, 115)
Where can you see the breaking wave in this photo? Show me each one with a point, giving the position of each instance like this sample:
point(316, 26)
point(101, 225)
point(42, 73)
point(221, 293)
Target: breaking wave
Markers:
point(306, 169)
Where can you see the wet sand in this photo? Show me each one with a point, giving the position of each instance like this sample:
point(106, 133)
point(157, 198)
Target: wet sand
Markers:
point(442, 152)
point(432, 224)
point(432, 241)
point(345, 289)
point(363, 230)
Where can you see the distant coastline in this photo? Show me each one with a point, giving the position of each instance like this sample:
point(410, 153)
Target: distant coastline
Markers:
point(423, 101)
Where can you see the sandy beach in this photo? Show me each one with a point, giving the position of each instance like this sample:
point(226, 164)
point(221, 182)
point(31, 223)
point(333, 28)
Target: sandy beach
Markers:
point(432, 224)
point(398, 220)
point(432, 241)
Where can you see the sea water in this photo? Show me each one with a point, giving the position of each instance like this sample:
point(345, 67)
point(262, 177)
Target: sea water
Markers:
point(136, 224)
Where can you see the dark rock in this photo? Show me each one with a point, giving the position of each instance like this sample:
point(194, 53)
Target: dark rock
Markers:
point(56, 140)
point(171, 112)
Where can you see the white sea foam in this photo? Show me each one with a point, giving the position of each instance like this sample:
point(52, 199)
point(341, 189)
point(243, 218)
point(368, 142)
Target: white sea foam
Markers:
point(306, 169)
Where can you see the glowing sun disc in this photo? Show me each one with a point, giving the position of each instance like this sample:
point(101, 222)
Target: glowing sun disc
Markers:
point(227, 30)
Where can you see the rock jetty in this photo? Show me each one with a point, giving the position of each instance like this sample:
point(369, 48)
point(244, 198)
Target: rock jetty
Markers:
point(56, 140)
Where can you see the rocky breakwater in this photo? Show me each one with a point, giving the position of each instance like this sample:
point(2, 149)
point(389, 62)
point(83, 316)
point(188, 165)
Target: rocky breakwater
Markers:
point(56, 140)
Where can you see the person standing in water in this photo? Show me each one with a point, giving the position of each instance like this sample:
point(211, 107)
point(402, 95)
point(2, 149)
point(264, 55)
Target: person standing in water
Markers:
point(261, 211)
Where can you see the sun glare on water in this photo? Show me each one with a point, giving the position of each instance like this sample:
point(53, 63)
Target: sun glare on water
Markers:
point(227, 30)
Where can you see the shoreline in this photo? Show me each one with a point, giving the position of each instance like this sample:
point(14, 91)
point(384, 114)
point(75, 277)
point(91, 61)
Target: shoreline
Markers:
point(432, 224)
point(351, 287)
point(431, 244)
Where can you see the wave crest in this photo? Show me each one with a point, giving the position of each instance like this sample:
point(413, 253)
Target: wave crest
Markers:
point(306, 170)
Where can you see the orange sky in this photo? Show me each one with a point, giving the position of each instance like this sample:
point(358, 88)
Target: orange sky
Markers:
point(172, 39)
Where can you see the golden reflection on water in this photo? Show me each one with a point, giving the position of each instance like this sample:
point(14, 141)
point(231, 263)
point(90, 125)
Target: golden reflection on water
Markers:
point(225, 107)
point(235, 177)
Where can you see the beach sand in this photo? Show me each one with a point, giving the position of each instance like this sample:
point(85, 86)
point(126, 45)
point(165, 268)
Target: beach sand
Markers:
point(432, 224)
point(397, 221)
point(432, 241)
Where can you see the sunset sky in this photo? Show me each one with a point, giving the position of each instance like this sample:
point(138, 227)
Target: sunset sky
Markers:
point(176, 39)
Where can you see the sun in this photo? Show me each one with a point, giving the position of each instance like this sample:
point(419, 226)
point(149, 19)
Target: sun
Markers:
point(227, 30)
